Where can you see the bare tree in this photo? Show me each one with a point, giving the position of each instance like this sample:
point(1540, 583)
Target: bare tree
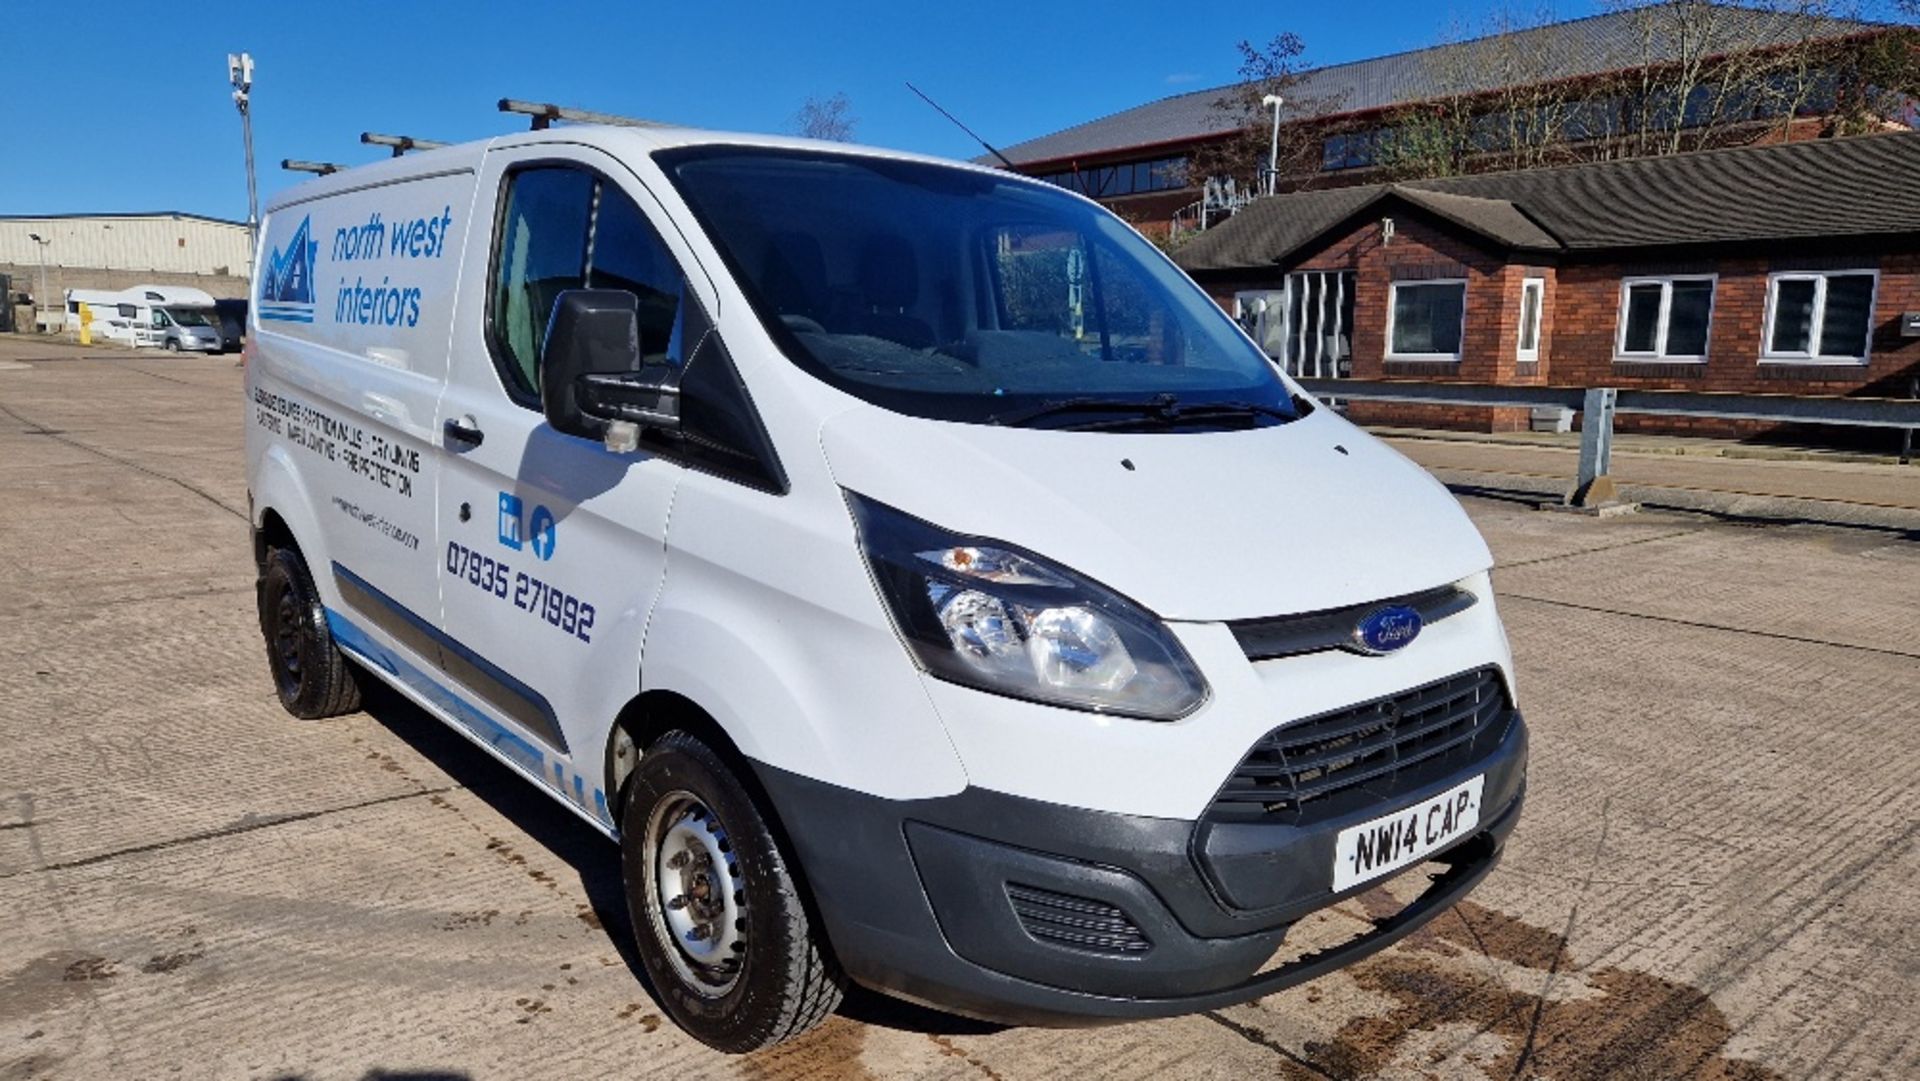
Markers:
point(826, 118)
point(1699, 74)
point(1241, 111)
point(1719, 75)
point(1504, 92)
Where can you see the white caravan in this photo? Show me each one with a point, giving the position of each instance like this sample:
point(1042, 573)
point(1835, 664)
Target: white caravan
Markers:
point(918, 577)
point(171, 317)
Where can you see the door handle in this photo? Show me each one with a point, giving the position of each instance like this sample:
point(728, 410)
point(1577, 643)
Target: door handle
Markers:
point(463, 430)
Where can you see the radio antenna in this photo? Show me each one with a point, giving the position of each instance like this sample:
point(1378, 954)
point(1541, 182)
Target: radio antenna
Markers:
point(956, 122)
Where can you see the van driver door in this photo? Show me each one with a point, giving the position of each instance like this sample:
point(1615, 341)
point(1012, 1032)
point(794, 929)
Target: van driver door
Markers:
point(552, 547)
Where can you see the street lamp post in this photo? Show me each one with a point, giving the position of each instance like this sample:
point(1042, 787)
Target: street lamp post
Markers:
point(240, 74)
point(1273, 101)
point(40, 292)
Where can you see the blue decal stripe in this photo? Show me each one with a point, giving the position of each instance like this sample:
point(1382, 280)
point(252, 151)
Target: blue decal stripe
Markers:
point(494, 735)
point(286, 318)
point(494, 685)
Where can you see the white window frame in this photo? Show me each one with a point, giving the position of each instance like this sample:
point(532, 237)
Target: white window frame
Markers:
point(1659, 355)
point(1393, 301)
point(1812, 356)
point(1538, 287)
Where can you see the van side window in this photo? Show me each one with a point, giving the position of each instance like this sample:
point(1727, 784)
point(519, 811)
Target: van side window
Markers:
point(627, 254)
point(542, 252)
point(567, 229)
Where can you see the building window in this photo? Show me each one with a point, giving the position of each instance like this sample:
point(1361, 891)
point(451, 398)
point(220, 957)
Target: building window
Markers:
point(1425, 319)
point(1349, 150)
point(1820, 318)
point(1358, 149)
point(1665, 319)
point(1130, 178)
point(1533, 293)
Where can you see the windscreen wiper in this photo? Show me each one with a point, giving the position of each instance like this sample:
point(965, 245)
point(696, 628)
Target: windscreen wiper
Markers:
point(1154, 406)
point(1165, 408)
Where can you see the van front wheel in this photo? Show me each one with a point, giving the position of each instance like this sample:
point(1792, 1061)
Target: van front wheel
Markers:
point(716, 913)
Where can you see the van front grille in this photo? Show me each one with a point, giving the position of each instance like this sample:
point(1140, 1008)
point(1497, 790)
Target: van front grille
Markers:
point(1079, 923)
point(1394, 744)
point(1311, 632)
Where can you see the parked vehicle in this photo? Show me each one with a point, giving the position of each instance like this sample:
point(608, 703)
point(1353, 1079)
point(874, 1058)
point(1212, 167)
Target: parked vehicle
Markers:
point(171, 317)
point(921, 580)
point(178, 328)
point(231, 317)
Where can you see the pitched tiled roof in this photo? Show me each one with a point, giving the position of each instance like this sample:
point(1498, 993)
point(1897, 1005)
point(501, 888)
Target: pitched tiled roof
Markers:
point(1863, 186)
point(1589, 46)
point(1495, 218)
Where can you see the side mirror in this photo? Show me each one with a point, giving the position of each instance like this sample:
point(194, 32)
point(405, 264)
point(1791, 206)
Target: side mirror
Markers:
point(593, 382)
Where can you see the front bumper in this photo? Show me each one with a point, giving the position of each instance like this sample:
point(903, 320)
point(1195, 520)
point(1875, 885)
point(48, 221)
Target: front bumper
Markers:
point(933, 900)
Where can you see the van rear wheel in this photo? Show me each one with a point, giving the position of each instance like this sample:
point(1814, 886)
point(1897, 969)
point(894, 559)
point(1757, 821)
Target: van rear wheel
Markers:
point(310, 674)
point(716, 913)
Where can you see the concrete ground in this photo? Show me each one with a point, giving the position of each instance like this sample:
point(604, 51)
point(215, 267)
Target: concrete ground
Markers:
point(1718, 875)
point(1715, 476)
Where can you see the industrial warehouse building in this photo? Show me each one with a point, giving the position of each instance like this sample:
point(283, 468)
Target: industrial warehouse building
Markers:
point(116, 251)
point(1790, 268)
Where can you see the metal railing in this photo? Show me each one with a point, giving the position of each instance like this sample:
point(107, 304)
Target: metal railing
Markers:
point(1597, 406)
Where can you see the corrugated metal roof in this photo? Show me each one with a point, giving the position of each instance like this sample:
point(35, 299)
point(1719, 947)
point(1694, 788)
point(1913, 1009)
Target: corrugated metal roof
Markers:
point(1863, 186)
point(1589, 46)
point(111, 215)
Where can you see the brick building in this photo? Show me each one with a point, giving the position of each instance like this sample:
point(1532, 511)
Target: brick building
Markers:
point(1603, 75)
point(1790, 268)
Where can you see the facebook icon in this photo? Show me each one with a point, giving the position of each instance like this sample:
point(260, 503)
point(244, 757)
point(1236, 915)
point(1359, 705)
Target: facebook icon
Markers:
point(543, 532)
point(510, 520)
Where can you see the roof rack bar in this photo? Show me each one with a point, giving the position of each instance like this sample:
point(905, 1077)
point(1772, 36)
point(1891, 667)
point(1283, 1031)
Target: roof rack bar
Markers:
point(318, 168)
point(544, 114)
point(400, 143)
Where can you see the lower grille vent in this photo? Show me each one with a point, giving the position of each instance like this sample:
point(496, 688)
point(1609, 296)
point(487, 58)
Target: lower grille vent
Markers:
point(1079, 923)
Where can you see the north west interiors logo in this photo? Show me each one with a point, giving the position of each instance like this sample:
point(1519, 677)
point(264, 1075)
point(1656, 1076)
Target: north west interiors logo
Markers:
point(286, 291)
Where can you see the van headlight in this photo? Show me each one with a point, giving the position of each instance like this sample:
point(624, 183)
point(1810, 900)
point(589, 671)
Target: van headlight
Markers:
point(997, 618)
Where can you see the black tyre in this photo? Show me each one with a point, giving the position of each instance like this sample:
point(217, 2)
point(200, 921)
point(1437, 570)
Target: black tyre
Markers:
point(313, 678)
point(173, 345)
point(716, 913)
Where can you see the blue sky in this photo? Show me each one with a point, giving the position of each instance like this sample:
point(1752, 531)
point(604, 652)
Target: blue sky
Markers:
point(144, 122)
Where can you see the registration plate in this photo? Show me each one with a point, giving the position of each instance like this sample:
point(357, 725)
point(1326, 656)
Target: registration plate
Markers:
point(1407, 836)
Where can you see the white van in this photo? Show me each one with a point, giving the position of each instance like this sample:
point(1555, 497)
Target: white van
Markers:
point(922, 581)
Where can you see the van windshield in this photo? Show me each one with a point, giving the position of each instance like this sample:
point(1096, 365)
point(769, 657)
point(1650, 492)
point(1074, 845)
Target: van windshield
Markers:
point(188, 317)
point(960, 295)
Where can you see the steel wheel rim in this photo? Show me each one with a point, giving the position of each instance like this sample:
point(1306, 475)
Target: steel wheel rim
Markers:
point(696, 894)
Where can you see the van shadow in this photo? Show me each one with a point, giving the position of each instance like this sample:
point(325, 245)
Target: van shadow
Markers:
point(595, 859)
point(395, 1075)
